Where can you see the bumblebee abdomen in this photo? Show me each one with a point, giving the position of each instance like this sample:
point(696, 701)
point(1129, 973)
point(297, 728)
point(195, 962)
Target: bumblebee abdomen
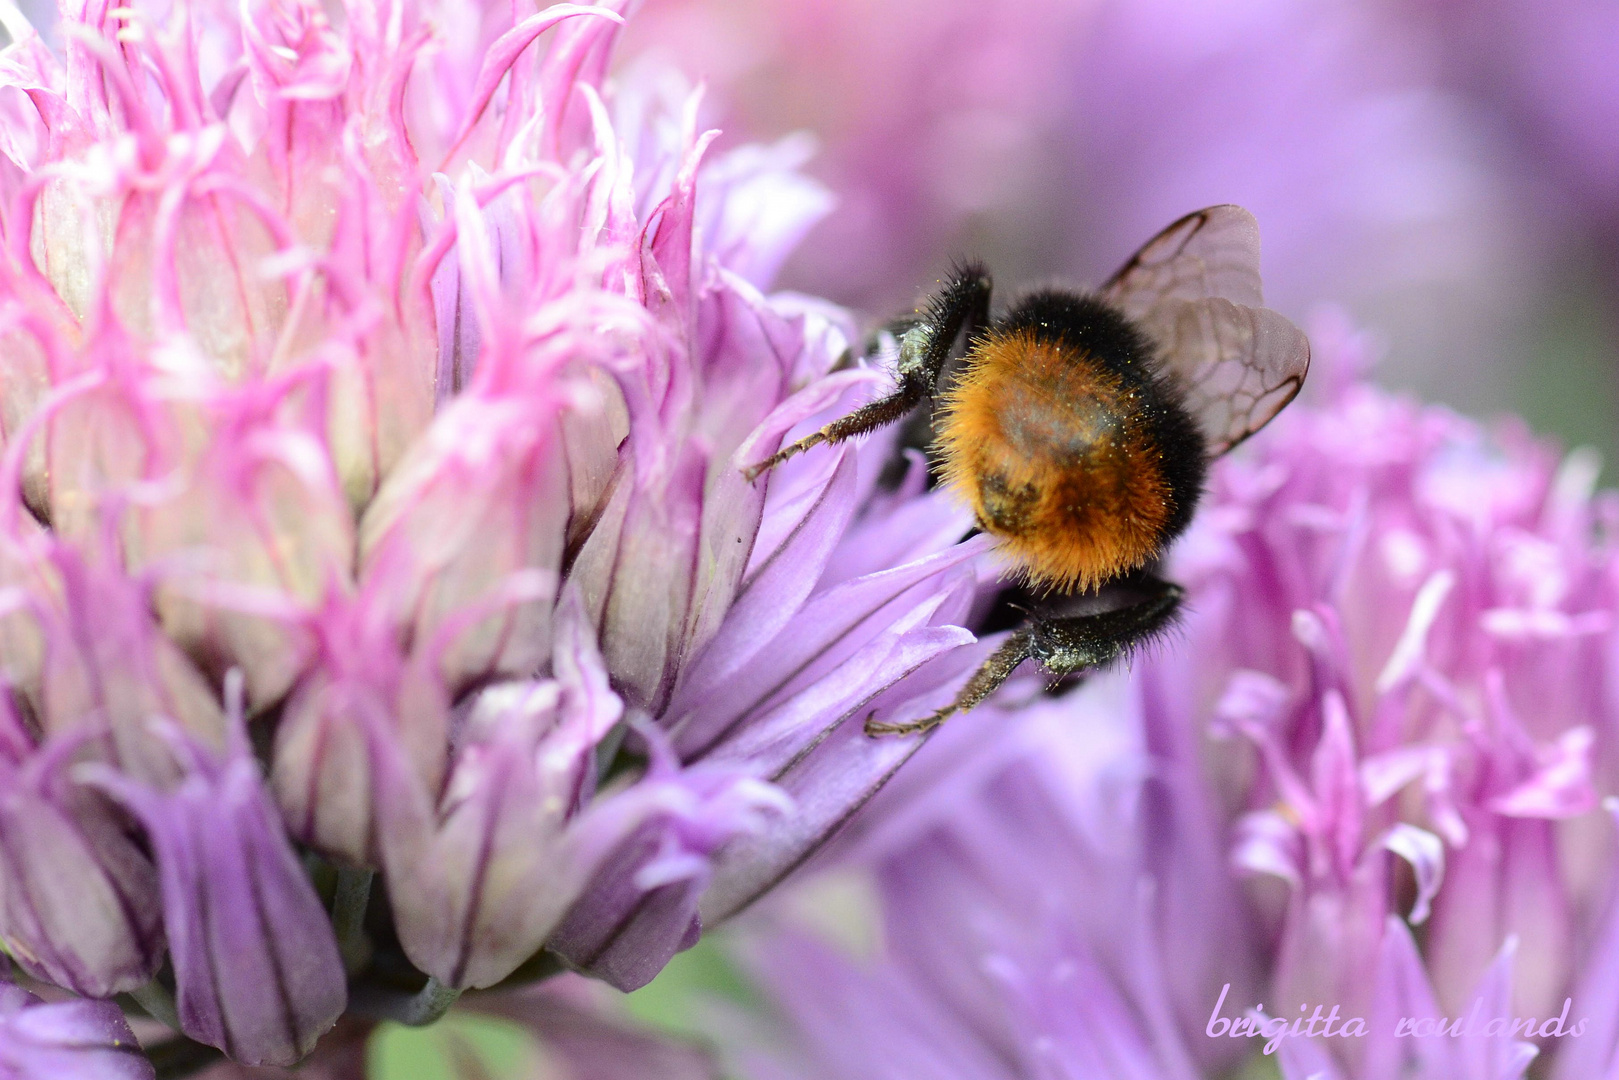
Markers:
point(1067, 444)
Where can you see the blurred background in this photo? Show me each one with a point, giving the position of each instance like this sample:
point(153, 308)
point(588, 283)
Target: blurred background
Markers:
point(1447, 170)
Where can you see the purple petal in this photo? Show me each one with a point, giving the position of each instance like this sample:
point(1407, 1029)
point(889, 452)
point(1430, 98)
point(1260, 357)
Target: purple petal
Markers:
point(79, 901)
point(1505, 882)
point(829, 628)
point(867, 1025)
point(81, 1040)
point(478, 883)
point(1426, 854)
point(501, 55)
point(774, 592)
point(1306, 1059)
point(580, 52)
point(1336, 780)
point(625, 929)
point(256, 968)
point(1267, 843)
point(1410, 652)
point(753, 206)
point(636, 573)
point(1251, 699)
point(813, 399)
point(1499, 1057)
point(827, 786)
point(1402, 990)
point(362, 688)
point(460, 335)
point(773, 739)
point(900, 528)
point(481, 498)
point(1596, 994)
point(108, 656)
point(480, 877)
point(1560, 788)
point(641, 906)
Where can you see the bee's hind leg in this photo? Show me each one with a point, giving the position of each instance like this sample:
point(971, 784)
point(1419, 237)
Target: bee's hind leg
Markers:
point(1069, 645)
point(985, 681)
point(1064, 645)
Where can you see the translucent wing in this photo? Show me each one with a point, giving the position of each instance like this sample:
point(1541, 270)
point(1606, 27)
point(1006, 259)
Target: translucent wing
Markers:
point(1195, 289)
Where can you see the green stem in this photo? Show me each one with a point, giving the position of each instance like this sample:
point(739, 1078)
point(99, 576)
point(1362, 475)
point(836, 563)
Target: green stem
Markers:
point(155, 998)
point(349, 903)
point(429, 1004)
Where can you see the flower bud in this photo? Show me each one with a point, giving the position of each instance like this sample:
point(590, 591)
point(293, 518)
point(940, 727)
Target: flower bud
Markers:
point(256, 967)
point(78, 896)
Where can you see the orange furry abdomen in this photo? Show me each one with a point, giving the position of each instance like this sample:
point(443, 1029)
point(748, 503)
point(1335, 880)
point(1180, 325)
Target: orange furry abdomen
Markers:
point(1055, 456)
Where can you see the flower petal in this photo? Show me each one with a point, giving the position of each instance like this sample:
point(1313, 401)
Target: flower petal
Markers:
point(641, 906)
point(85, 1040)
point(256, 967)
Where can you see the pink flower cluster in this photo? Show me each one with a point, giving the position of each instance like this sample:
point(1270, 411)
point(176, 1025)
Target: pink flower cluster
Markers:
point(383, 610)
point(1365, 776)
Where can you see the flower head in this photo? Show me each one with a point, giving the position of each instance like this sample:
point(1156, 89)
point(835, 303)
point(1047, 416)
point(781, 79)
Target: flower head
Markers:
point(375, 390)
point(1391, 708)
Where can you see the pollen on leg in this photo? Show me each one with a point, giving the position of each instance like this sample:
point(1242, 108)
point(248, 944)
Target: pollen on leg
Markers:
point(1056, 456)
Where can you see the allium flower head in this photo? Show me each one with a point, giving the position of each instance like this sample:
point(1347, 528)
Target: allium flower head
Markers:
point(1365, 778)
point(375, 384)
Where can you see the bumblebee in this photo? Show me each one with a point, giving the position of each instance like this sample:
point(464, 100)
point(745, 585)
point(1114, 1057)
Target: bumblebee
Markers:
point(1079, 426)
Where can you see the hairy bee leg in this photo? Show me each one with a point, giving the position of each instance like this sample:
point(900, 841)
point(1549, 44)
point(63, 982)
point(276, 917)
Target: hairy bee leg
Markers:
point(924, 349)
point(1063, 646)
point(907, 396)
point(985, 681)
point(1066, 646)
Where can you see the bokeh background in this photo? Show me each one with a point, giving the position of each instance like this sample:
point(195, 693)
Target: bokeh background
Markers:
point(1446, 170)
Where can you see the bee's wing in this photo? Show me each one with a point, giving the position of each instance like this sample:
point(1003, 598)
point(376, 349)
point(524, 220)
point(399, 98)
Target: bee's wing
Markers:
point(1195, 289)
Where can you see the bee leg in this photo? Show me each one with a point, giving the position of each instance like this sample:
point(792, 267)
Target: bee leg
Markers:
point(985, 681)
point(923, 351)
point(1066, 646)
point(1063, 646)
point(906, 396)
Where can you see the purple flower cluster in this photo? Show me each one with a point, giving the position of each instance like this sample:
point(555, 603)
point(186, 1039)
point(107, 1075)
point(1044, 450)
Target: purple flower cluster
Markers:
point(1363, 781)
point(383, 611)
